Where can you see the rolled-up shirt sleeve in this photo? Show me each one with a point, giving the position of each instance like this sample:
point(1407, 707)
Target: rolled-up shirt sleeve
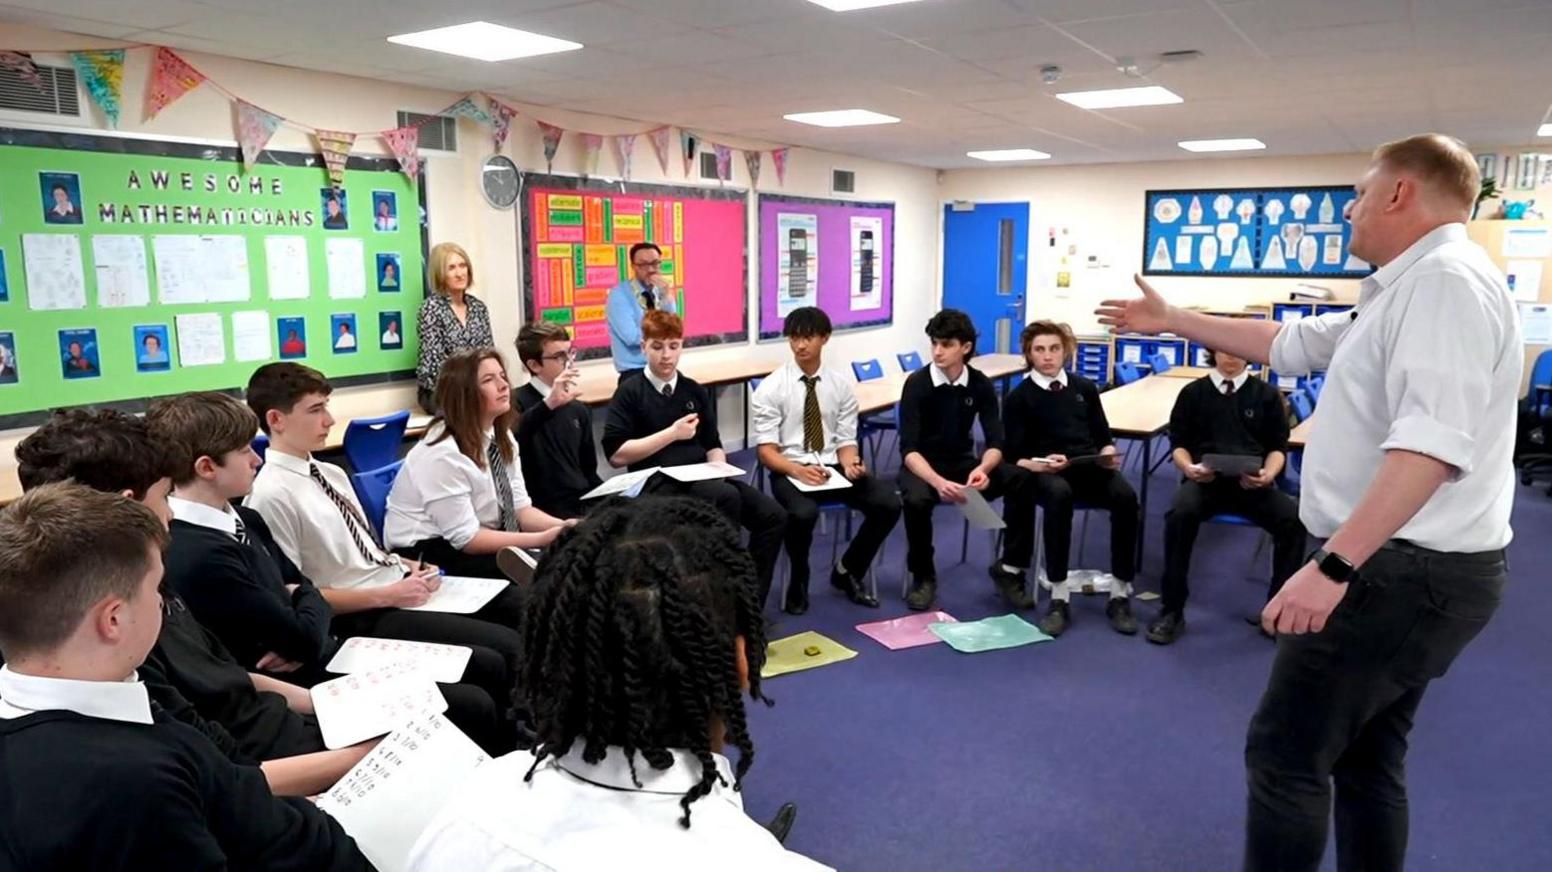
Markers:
point(448, 497)
point(846, 417)
point(765, 413)
point(1439, 376)
point(1306, 345)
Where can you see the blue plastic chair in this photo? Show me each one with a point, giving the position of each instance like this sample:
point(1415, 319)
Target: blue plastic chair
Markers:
point(1541, 374)
point(1126, 373)
point(372, 443)
point(1303, 406)
point(372, 489)
point(867, 370)
point(910, 361)
point(875, 425)
point(1160, 363)
point(1315, 384)
point(1232, 520)
point(260, 445)
point(757, 478)
point(827, 507)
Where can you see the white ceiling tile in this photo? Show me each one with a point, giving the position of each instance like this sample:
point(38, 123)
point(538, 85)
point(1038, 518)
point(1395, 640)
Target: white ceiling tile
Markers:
point(140, 14)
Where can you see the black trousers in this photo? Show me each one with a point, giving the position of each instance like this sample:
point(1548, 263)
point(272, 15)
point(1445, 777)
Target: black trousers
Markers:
point(919, 499)
point(1059, 493)
point(495, 626)
point(1339, 704)
point(440, 553)
point(877, 501)
point(1273, 510)
point(745, 506)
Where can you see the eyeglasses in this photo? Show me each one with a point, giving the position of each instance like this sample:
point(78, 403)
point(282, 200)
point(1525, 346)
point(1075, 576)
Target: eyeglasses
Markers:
point(560, 356)
point(645, 264)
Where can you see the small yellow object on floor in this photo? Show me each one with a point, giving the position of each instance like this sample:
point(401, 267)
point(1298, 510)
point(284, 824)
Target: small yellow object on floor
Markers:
point(804, 651)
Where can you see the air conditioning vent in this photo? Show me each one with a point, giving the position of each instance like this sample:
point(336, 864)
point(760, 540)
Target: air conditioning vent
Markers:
point(843, 182)
point(58, 96)
point(437, 132)
point(709, 165)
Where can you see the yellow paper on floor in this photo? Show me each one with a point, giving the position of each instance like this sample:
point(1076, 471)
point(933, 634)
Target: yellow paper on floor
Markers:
point(803, 651)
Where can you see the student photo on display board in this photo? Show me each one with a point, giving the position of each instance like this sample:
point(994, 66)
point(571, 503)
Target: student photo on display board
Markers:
point(61, 198)
point(78, 353)
point(8, 371)
point(388, 322)
point(385, 211)
point(388, 273)
point(335, 214)
point(151, 353)
point(293, 337)
point(5, 283)
point(342, 329)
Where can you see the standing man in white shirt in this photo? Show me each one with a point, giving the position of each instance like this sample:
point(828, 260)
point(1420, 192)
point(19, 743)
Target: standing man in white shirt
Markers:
point(1408, 482)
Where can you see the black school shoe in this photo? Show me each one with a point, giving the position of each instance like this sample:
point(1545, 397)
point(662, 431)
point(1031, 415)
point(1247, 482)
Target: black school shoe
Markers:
point(924, 589)
point(1119, 611)
point(1166, 628)
point(1011, 586)
point(796, 601)
point(853, 587)
point(1057, 616)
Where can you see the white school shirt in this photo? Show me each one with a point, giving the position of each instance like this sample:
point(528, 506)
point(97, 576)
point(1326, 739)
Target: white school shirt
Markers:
point(1218, 379)
point(776, 411)
point(1431, 364)
point(22, 695)
point(309, 528)
point(576, 816)
point(441, 493)
point(1043, 381)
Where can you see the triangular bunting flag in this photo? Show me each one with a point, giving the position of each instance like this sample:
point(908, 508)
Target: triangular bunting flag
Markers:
point(752, 161)
point(659, 139)
point(466, 108)
point(21, 64)
point(624, 146)
point(688, 142)
point(500, 122)
point(592, 144)
point(103, 74)
point(254, 129)
point(551, 136)
point(724, 162)
point(779, 161)
point(404, 143)
point(171, 78)
point(335, 147)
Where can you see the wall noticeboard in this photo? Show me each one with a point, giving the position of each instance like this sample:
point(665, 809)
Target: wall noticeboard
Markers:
point(1254, 232)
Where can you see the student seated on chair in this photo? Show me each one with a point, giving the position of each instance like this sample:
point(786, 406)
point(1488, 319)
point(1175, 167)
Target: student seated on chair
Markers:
point(1228, 411)
point(318, 524)
point(646, 635)
point(96, 775)
point(669, 419)
point(555, 430)
point(190, 674)
point(1058, 435)
point(805, 423)
point(939, 405)
point(460, 500)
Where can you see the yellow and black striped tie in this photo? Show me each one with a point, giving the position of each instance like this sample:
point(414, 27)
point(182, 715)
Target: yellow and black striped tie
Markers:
point(813, 425)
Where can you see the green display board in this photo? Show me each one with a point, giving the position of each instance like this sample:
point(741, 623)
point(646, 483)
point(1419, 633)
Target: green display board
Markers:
point(136, 268)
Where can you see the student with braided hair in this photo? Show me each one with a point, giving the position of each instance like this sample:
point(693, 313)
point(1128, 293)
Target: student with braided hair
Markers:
point(643, 635)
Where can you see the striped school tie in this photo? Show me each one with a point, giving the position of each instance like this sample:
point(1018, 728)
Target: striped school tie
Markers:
point(498, 474)
point(353, 520)
point(239, 529)
point(813, 424)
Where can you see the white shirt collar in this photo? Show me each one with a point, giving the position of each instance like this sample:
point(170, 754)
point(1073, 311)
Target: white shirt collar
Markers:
point(657, 383)
point(614, 772)
point(1218, 379)
point(538, 384)
point(1043, 382)
point(202, 515)
point(280, 460)
point(1386, 275)
point(796, 372)
point(125, 700)
point(940, 378)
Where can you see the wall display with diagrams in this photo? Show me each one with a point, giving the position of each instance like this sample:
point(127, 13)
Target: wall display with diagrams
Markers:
point(1258, 232)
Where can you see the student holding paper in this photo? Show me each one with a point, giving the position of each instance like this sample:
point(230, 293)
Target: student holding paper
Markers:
point(555, 432)
point(1224, 417)
point(939, 405)
point(1060, 440)
point(645, 637)
point(805, 423)
point(669, 419)
point(96, 776)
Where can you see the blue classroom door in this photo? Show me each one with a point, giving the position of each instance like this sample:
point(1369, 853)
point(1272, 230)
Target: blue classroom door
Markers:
point(985, 264)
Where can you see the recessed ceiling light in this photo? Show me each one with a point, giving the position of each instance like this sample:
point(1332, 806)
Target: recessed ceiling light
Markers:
point(484, 41)
point(841, 118)
point(1544, 130)
point(1222, 144)
point(1117, 98)
point(849, 5)
point(1002, 154)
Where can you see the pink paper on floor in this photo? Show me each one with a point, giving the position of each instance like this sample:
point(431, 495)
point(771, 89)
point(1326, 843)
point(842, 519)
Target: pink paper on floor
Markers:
point(907, 632)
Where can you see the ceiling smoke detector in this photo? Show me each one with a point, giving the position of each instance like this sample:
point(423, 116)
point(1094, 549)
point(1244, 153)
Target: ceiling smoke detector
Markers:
point(1050, 74)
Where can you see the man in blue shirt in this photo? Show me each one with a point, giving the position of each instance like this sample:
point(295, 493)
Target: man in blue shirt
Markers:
point(630, 300)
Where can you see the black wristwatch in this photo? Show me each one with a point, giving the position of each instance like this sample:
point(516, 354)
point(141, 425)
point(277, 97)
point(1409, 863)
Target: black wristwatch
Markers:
point(1334, 566)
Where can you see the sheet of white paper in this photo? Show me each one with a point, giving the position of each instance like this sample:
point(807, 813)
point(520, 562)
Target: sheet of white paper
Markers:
point(370, 704)
point(200, 339)
point(979, 512)
point(250, 336)
point(1536, 323)
point(347, 273)
point(1131, 353)
point(836, 481)
point(1524, 278)
point(1233, 465)
point(625, 484)
point(55, 278)
point(1527, 242)
point(121, 267)
point(286, 265)
point(702, 471)
point(460, 595)
point(444, 663)
point(225, 268)
point(179, 276)
point(385, 801)
point(418, 422)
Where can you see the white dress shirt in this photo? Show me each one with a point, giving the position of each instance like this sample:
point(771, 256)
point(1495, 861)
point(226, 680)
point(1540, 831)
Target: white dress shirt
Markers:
point(22, 695)
point(1431, 364)
point(201, 515)
point(657, 383)
point(1043, 381)
point(1218, 379)
point(576, 816)
point(440, 493)
point(309, 527)
point(940, 378)
point(776, 411)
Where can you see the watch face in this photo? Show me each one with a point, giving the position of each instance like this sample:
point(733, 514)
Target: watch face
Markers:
point(499, 181)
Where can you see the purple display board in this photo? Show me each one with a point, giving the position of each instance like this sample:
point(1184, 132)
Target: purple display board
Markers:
point(834, 254)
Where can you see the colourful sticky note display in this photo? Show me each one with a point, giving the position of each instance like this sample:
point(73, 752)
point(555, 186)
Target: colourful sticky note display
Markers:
point(808, 650)
point(554, 249)
point(989, 634)
point(911, 631)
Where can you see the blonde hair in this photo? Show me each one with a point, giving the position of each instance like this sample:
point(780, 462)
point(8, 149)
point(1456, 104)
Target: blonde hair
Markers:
point(1444, 163)
point(436, 266)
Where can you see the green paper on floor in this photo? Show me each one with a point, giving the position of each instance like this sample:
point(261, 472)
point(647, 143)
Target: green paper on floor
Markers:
point(803, 651)
point(989, 634)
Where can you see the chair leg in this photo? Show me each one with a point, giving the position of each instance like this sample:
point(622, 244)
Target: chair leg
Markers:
point(964, 543)
point(1083, 535)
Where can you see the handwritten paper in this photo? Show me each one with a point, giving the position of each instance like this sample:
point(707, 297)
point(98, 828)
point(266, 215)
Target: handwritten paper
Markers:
point(201, 269)
point(692, 472)
point(121, 267)
point(226, 268)
point(386, 801)
point(55, 278)
point(461, 595)
point(366, 705)
point(250, 335)
point(444, 663)
point(347, 274)
point(286, 267)
point(836, 481)
point(626, 484)
point(200, 340)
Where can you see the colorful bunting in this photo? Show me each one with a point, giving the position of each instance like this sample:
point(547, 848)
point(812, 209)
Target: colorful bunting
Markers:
point(779, 161)
point(335, 147)
point(592, 143)
point(21, 64)
point(752, 161)
point(171, 78)
point(724, 162)
point(404, 143)
point(624, 146)
point(500, 122)
point(466, 108)
point(551, 136)
point(103, 74)
point(254, 129)
point(659, 138)
point(688, 142)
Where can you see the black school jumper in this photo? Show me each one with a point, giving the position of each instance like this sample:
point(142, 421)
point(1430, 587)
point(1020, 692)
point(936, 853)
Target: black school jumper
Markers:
point(555, 446)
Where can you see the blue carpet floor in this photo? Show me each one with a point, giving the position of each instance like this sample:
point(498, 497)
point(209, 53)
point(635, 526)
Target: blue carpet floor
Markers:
point(1103, 752)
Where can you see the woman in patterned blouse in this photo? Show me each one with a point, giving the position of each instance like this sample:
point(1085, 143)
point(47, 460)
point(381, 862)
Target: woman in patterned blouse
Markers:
point(451, 320)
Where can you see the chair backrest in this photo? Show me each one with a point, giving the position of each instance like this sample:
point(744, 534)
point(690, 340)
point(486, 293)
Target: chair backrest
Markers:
point(1541, 374)
point(260, 445)
point(1303, 406)
point(372, 443)
point(1126, 373)
point(1314, 384)
point(867, 370)
point(754, 383)
point(1160, 363)
point(372, 489)
point(910, 361)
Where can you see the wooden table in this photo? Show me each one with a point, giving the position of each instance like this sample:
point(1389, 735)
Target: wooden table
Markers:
point(1301, 434)
point(1186, 371)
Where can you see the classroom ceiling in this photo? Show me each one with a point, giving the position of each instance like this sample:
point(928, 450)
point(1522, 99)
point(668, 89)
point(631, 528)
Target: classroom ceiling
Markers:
point(1304, 76)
